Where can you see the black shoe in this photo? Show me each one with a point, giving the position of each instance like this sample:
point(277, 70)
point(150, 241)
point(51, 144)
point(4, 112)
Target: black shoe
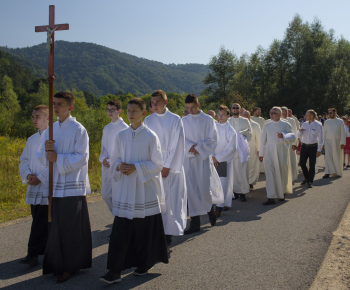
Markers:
point(347, 166)
point(111, 278)
point(168, 239)
point(343, 164)
point(243, 199)
point(326, 176)
point(195, 225)
point(304, 182)
point(30, 260)
point(251, 187)
point(235, 196)
point(212, 216)
point(269, 201)
point(309, 185)
point(140, 272)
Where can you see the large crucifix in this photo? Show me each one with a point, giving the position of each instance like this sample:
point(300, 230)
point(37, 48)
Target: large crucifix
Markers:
point(50, 30)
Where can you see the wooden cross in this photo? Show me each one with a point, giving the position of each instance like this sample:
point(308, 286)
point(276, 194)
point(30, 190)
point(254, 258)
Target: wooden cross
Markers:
point(50, 30)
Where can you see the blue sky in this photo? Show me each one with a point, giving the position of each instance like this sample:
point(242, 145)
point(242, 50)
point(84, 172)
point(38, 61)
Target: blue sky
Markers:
point(168, 31)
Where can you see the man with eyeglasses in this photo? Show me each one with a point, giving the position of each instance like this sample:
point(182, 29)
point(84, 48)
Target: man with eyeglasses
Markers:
point(274, 151)
point(240, 163)
point(116, 125)
point(334, 143)
point(311, 135)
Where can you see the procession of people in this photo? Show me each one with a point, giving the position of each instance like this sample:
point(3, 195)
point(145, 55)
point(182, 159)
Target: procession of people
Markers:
point(161, 169)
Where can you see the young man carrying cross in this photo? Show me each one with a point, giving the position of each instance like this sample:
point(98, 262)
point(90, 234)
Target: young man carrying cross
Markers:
point(138, 238)
point(69, 246)
point(34, 173)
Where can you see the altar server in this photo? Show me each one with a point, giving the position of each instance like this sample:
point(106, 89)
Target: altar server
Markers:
point(223, 156)
point(274, 151)
point(138, 238)
point(34, 173)
point(69, 245)
point(116, 125)
point(334, 143)
point(240, 166)
point(201, 137)
point(170, 132)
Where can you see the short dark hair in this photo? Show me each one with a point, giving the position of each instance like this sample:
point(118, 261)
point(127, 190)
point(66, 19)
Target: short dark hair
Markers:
point(67, 96)
point(43, 108)
point(191, 98)
point(115, 103)
point(159, 93)
point(224, 108)
point(256, 108)
point(139, 102)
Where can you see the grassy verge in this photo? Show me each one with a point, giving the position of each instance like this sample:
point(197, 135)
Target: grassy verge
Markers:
point(12, 192)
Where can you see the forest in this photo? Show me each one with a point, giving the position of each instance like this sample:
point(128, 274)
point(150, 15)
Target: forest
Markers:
point(308, 68)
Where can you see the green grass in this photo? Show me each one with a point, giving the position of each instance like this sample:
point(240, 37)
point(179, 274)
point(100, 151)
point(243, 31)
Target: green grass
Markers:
point(12, 192)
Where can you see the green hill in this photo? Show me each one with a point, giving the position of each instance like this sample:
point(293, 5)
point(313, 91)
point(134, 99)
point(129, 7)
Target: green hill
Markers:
point(101, 70)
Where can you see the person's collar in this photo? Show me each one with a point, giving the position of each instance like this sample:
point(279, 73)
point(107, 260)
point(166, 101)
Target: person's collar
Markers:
point(120, 119)
point(66, 121)
point(138, 130)
point(162, 115)
point(197, 115)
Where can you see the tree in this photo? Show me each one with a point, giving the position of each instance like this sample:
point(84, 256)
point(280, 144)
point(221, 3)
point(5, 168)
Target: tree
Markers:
point(221, 70)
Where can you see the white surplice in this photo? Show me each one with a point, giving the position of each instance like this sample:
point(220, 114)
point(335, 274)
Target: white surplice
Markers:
point(217, 192)
point(108, 142)
point(224, 152)
point(141, 193)
point(254, 146)
point(169, 129)
point(240, 169)
point(334, 136)
point(259, 120)
point(199, 129)
point(276, 158)
point(70, 171)
point(30, 165)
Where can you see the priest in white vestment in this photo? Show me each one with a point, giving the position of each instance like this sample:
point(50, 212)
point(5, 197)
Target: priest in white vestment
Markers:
point(254, 146)
point(201, 138)
point(240, 169)
point(274, 151)
point(334, 142)
point(34, 173)
point(294, 145)
point(116, 125)
point(69, 244)
point(137, 238)
point(224, 153)
point(170, 132)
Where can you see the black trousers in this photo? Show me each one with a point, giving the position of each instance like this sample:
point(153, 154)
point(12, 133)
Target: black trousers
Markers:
point(305, 153)
point(39, 230)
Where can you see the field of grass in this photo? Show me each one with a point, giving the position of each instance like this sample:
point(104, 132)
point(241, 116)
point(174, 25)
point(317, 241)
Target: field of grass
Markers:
point(12, 192)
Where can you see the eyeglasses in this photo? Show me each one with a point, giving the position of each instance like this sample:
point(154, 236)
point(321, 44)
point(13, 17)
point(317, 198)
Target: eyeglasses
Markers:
point(235, 108)
point(273, 113)
point(110, 110)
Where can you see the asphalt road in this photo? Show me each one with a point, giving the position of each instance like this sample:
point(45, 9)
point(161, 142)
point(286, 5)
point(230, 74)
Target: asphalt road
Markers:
point(252, 246)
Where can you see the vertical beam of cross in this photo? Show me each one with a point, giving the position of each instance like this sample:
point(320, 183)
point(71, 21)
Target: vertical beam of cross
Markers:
point(50, 31)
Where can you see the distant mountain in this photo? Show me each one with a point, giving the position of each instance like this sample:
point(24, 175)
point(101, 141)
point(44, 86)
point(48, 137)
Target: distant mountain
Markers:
point(101, 70)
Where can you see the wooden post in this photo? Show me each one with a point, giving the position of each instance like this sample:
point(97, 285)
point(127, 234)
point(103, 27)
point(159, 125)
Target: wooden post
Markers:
point(50, 30)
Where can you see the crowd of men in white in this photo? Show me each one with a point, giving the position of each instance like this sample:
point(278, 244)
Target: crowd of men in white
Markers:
point(174, 167)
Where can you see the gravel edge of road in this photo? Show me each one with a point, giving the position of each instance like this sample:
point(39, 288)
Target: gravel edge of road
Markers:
point(334, 272)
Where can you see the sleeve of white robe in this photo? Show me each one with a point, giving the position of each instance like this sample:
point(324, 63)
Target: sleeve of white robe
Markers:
point(295, 131)
point(116, 159)
point(146, 170)
point(263, 140)
point(175, 159)
point(228, 153)
point(41, 153)
point(207, 147)
point(342, 136)
point(247, 132)
point(104, 153)
point(258, 137)
point(68, 162)
point(24, 168)
point(288, 135)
